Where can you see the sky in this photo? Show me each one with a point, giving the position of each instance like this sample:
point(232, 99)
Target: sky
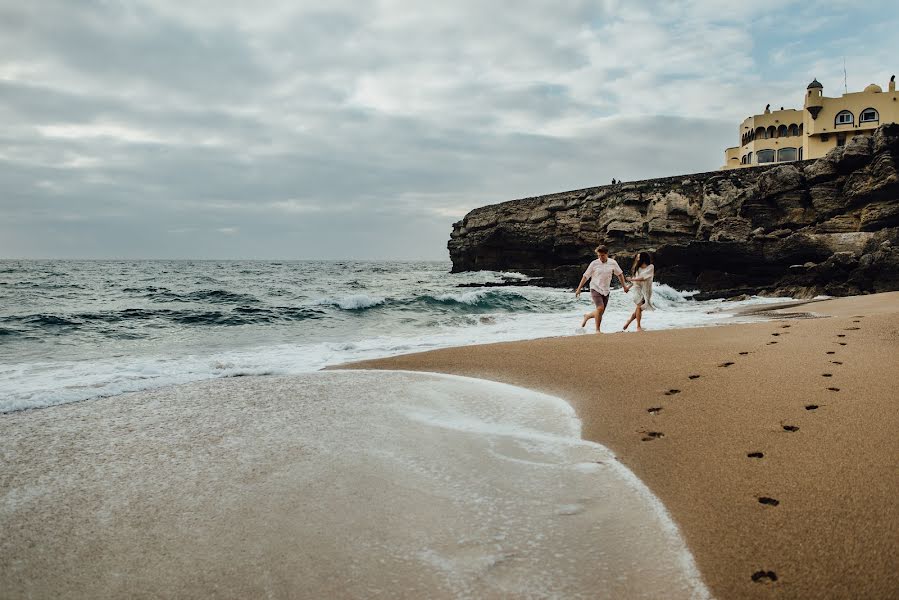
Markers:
point(219, 129)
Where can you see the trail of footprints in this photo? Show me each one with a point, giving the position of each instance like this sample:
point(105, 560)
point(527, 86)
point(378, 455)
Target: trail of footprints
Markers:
point(761, 576)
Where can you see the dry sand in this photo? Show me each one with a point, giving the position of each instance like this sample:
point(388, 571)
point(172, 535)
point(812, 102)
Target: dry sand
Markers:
point(817, 507)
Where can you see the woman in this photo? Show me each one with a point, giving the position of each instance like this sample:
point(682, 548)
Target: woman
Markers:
point(641, 280)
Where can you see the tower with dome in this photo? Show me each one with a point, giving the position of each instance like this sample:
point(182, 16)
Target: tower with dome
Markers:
point(823, 124)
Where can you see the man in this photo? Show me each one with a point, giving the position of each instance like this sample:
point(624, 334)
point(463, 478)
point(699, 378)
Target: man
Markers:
point(600, 274)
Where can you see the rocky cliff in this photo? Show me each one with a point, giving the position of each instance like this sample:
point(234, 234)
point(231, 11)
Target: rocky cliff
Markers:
point(828, 226)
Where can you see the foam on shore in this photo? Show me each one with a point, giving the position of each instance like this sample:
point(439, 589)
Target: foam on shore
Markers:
point(357, 484)
point(40, 383)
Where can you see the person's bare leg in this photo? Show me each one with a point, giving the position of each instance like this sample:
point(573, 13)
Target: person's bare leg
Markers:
point(587, 317)
point(639, 312)
point(632, 317)
point(599, 312)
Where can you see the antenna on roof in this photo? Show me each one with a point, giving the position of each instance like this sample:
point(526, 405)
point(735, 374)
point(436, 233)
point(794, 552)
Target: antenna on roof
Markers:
point(845, 85)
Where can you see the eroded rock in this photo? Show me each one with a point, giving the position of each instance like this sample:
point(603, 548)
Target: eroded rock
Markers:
point(725, 232)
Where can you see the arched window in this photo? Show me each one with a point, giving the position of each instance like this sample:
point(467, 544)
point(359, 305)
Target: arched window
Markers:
point(760, 133)
point(794, 129)
point(782, 131)
point(800, 153)
point(869, 115)
point(785, 154)
point(749, 158)
point(771, 132)
point(765, 156)
point(800, 128)
point(844, 117)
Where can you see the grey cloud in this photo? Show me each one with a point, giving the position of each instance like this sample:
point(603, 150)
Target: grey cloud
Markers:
point(210, 129)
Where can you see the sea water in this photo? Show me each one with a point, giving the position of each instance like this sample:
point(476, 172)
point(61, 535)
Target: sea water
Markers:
point(453, 487)
point(75, 330)
point(339, 484)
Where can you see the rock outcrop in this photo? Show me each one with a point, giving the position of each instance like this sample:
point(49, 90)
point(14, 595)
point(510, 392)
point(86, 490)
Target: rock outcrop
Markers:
point(828, 226)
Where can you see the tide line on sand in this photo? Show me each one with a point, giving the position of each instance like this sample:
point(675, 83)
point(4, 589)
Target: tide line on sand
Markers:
point(330, 484)
point(772, 445)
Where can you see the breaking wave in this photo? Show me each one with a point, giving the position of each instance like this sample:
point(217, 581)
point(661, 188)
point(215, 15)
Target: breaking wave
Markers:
point(352, 302)
point(241, 315)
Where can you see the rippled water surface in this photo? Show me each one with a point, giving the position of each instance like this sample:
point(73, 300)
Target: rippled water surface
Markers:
point(71, 330)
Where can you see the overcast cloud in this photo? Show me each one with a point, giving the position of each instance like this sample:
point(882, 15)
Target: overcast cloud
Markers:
point(364, 129)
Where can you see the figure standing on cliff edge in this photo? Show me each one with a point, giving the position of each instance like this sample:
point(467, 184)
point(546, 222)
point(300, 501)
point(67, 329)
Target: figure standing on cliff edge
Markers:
point(600, 274)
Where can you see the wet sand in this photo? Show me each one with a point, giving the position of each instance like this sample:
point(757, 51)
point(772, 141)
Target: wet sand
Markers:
point(338, 484)
point(774, 446)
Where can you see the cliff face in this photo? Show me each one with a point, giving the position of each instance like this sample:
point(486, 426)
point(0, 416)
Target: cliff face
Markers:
point(829, 226)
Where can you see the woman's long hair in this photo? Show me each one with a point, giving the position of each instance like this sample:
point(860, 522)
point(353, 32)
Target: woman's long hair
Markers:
point(641, 260)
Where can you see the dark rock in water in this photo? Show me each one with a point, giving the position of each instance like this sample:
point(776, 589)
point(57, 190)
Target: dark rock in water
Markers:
point(503, 283)
point(827, 226)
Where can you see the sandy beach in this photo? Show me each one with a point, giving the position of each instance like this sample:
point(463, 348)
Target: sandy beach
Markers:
point(773, 445)
point(337, 484)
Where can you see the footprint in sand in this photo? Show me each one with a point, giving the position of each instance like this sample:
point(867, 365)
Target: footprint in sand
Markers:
point(830, 352)
point(725, 364)
point(784, 326)
point(852, 329)
point(842, 343)
point(833, 389)
point(768, 501)
point(772, 342)
point(764, 576)
point(775, 334)
point(743, 353)
point(755, 455)
point(856, 321)
point(826, 374)
point(672, 392)
point(648, 436)
point(841, 335)
point(694, 377)
point(654, 410)
point(790, 428)
point(811, 407)
point(836, 362)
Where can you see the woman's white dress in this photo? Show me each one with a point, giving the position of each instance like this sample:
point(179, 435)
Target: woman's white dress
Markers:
point(642, 290)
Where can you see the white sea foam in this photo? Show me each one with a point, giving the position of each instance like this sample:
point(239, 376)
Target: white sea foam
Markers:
point(417, 485)
point(471, 297)
point(352, 302)
point(44, 383)
point(514, 275)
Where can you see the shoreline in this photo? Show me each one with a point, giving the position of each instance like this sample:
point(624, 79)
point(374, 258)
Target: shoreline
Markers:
point(815, 515)
point(351, 484)
point(57, 382)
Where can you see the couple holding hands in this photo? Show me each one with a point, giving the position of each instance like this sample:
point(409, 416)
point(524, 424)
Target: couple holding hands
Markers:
point(600, 274)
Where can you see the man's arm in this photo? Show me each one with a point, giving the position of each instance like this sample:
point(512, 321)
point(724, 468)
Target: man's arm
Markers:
point(577, 291)
point(620, 275)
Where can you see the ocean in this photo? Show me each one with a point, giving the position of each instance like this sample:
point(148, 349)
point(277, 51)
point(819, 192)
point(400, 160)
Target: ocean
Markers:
point(498, 492)
point(75, 330)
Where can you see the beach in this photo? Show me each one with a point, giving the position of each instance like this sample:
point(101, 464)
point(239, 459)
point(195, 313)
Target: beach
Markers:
point(339, 484)
point(760, 457)
point(773, 445)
